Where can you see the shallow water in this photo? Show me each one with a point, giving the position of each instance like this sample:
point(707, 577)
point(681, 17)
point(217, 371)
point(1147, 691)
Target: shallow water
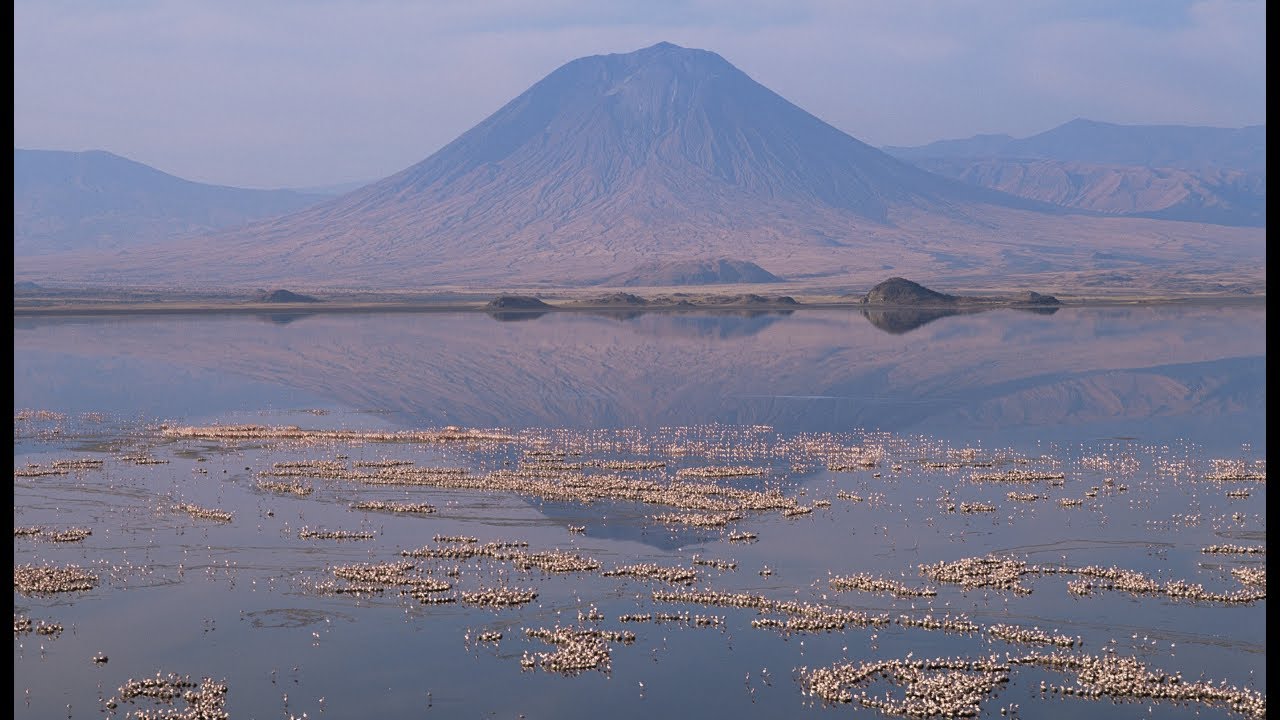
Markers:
point(1147, 398)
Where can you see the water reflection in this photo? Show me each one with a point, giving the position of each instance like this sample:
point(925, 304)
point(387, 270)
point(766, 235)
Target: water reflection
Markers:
point(900, 321)
point(514, 315)
point(283, 318)
point(239, 601)
point(1151, 372)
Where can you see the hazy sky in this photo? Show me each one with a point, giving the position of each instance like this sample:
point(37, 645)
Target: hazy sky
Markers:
point(309, 92)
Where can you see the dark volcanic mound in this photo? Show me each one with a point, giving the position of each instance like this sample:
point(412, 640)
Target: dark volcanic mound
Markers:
point(1035, 298)
point(900, 291)
point(285, 296)
point(516, 302)
point(750, 299)
point(692, 272)
point(618, 298)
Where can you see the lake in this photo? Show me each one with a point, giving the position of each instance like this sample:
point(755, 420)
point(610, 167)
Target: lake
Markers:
point(696, 514)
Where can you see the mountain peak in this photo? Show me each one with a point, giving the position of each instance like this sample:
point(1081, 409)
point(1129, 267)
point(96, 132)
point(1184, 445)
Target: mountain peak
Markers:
point(1085, 122)
point(680, 60)
point(684, 124)
point(668, 48)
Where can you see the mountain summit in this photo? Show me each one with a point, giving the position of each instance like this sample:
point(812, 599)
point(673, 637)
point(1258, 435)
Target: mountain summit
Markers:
point(617, 161)
point(680, 125)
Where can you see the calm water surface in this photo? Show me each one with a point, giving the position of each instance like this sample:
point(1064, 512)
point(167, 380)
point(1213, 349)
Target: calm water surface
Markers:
point(1133, 407)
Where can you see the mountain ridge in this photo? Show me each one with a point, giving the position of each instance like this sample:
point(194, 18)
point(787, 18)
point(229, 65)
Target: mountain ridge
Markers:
point(66, 200)
point(1173, 172)
point(613, 162)
point(1187, 147)
point(1216, 196)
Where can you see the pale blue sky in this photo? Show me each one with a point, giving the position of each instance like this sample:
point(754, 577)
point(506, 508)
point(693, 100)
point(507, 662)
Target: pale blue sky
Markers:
point(311, 92)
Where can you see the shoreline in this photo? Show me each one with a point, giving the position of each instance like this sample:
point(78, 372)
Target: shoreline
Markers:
point(230, 307)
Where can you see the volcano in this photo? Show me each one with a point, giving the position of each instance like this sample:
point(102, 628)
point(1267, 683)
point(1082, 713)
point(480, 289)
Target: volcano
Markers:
point(641, 159)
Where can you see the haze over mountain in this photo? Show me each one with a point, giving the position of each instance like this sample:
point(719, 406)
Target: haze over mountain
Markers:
point(81, 200)
point(614, 162)
point(333, 189)
point(1089, 141)
point(1222, 197)
point(1197, 174)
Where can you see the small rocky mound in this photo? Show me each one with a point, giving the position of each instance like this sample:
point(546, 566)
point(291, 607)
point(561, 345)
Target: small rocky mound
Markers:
point(516, 302)
point(285, 296)
point(1035, 298)
point(900, 291)
point(619, 298)
point(692, 272)
point(24, 286)
point(750, 299)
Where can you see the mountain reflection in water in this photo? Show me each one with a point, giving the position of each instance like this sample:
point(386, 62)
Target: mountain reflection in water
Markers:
point(1164, 370)
point(630, 443)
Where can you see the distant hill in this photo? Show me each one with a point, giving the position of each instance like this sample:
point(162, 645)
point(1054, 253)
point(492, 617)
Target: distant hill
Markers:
point(1170, 172)
point(1222, 197)
point(285, 296)
point(516, 302)
point(900, 292)
point(618, 298)
point(691, 272)
point(617, 166)
point(82, 200)
point(1088, 141)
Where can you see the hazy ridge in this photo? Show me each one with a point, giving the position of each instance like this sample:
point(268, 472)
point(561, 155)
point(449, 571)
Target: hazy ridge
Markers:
point(1173, 172)
point(96, 200)
point(671, 155)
